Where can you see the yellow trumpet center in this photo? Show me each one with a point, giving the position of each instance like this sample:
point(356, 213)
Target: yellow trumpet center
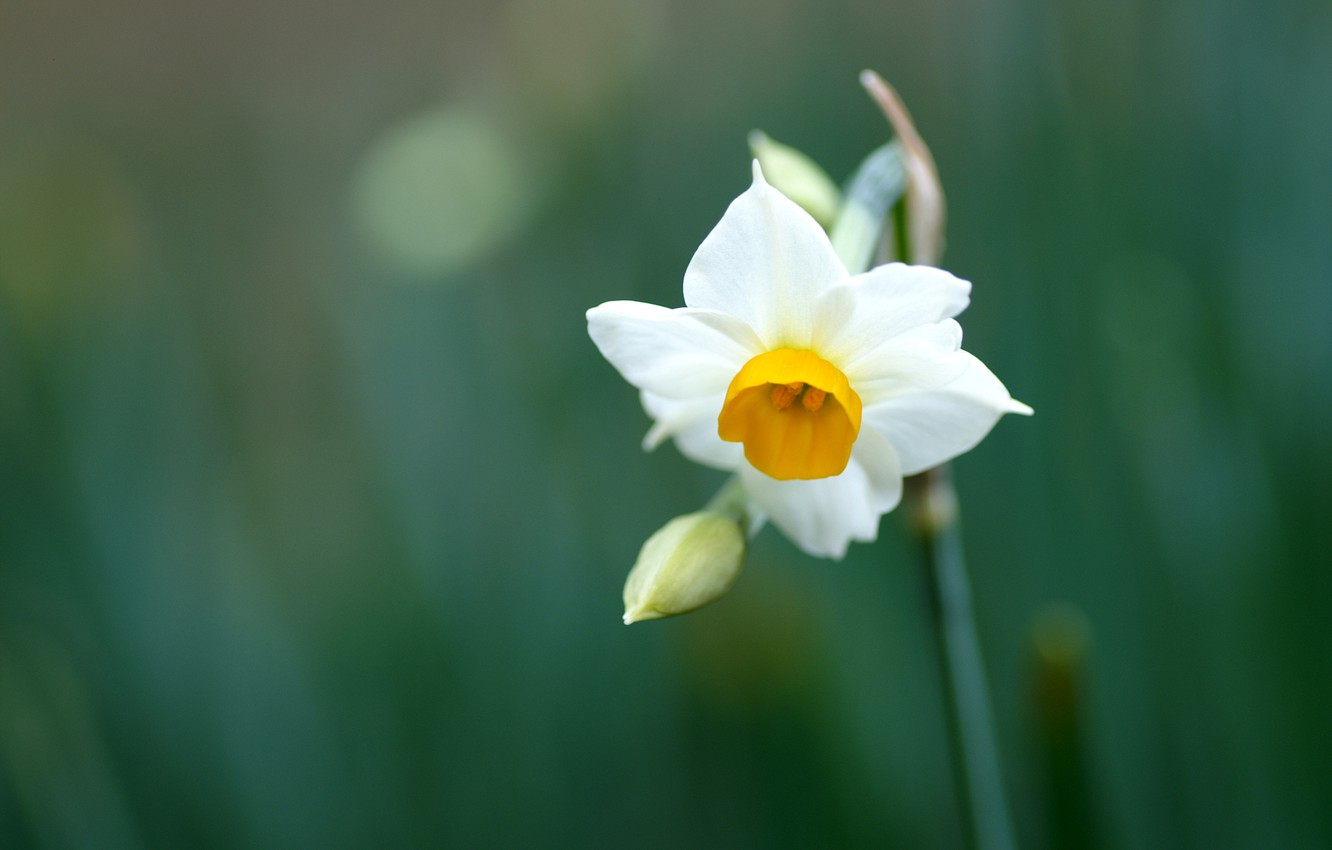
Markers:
point(783, 438)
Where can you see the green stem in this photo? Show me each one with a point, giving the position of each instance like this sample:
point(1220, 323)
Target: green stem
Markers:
point(732, 501)
point(975, 751)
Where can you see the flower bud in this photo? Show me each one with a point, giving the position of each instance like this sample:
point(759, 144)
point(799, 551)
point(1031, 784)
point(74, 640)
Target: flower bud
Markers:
point(690, 561)
point(797, 177)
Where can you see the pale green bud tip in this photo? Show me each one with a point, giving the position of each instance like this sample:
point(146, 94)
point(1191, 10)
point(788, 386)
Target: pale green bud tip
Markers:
point(797, 177)
point(690, 561)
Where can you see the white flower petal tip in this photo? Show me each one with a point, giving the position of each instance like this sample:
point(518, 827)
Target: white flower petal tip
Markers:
point(798, 177)
point(759, 180)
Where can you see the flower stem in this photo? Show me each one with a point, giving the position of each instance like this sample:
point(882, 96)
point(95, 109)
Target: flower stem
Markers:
point(975, 752)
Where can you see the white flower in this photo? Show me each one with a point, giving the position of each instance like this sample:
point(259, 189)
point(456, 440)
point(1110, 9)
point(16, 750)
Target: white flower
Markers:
point(821, 389)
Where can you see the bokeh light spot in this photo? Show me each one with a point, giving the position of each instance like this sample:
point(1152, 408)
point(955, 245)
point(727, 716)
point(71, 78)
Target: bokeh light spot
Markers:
point(439, 191)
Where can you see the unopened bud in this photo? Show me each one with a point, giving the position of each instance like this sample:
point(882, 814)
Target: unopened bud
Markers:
point(691, 561)
point(797, 177)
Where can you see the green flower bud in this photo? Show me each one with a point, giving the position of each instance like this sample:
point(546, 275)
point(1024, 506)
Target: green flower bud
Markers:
point(690, 561)
point(797, 177)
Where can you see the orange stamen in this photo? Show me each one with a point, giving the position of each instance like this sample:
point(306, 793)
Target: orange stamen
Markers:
point(784, 394)
point(813, 399)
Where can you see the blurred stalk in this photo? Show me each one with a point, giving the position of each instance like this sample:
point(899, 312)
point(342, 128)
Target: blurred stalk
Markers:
point(932, 506)
point(1060, 636)
point(894, 203)
point(915, 234)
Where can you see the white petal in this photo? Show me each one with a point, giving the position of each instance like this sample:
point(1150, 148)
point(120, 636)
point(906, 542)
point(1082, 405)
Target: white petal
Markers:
point(682, 353)
point(824, 515)
point(872, 308)
point(693, 424)
point(923, 358)
point(929, 427)
point(766, 262)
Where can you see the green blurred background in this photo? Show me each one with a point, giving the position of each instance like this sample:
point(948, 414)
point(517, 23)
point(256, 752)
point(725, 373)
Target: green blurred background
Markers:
point(316, 500)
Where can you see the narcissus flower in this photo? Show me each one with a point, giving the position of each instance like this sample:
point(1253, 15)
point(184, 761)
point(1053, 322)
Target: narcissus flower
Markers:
point(820, 388)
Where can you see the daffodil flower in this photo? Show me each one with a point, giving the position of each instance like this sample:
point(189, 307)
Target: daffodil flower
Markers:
point(820, 388)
